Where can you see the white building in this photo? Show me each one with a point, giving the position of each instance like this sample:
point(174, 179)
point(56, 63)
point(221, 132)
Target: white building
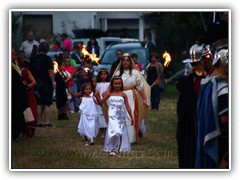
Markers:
point(44, 23)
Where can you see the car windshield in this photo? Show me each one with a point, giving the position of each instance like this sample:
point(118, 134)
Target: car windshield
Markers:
point(110, 55)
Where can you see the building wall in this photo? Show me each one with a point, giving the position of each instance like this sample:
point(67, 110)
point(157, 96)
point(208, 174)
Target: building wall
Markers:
point(88, 19)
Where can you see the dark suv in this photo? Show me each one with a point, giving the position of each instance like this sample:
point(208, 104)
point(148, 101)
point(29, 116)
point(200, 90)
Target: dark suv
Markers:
point(141, 48)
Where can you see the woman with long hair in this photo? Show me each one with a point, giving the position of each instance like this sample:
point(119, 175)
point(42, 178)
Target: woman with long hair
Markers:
point(133, 83)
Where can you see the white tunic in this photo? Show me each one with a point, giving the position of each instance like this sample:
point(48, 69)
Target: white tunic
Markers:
point(117, 126)
point(88, 120)
point(101, 87)
point(133, 80)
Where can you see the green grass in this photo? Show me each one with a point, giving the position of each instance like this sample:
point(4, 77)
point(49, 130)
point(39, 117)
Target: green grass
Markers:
point(62, 147)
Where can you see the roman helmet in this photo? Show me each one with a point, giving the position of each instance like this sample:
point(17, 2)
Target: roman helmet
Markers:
point(222, 55)
point(195, 53)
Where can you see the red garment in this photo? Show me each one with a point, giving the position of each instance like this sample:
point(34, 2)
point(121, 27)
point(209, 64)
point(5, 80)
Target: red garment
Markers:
point(71, 70)
point(67, 44)
point(32, 101)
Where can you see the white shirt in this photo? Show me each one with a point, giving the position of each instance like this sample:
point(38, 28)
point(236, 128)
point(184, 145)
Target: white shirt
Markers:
point(27, 46)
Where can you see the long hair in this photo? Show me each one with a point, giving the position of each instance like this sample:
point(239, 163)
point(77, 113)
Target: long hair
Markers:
point(111, 83)
point(83, 87)
point(100, 73)
point(121, 66)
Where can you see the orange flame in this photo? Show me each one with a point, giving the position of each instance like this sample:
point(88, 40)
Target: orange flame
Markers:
point(167, 58)
point(86, 69)
point(93, 57)
point(55, 67)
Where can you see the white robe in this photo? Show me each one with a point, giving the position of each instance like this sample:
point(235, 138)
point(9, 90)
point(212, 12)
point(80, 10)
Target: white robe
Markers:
point(117, 126)
point(88, 121)
point(101, 87)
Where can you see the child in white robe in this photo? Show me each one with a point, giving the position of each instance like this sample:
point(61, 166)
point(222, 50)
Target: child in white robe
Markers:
point(88, 119)
point(102, 86)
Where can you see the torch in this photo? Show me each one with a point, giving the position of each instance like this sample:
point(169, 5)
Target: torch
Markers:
point(167, 61)
point(55, 66)
point(87, 70)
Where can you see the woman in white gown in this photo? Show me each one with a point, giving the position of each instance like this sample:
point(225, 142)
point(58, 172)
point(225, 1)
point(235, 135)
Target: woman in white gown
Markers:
point(133, 83)
point(117, 139)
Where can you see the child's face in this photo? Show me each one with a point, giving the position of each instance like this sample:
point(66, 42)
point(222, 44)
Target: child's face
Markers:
point(94, 82)
point(117, 84)
point(87, 90)
point(104, 76)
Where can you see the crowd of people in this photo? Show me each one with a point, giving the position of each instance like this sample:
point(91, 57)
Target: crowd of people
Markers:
point(115, 102)
point(77, 90)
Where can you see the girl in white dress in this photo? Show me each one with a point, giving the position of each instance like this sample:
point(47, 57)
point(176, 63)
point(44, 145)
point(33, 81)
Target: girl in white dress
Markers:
point(102, 85)
point(88, 111)
point(116, 139)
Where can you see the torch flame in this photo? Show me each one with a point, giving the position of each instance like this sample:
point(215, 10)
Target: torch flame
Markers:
point(55, 67)
point(167, 58)
point(93, 57)
point(86, 69)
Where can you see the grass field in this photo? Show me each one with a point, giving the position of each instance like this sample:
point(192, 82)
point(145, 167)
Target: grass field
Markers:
point(62, 147)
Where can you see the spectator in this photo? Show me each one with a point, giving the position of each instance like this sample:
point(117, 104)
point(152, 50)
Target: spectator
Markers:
point(42, 70)
point(62, 78)
point(21, 113)
point(134, 57)
point(66, 42)
point(119, 54)
point(152, 72)
point(53, 47)
point(73, 85)
point(93, 47)
point(29, 82)
point(66, 54)
point(77, 53)
point(27, 45)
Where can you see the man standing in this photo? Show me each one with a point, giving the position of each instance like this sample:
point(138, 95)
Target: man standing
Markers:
point(27, 45)
point(189, 87)
point(42, 70)
point(119, 54)
point(66, 42)
point(212, 115)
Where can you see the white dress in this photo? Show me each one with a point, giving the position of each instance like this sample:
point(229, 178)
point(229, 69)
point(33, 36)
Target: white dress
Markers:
point(101, 87)
point(133, 80)
point(117, 126)
point(88, 119)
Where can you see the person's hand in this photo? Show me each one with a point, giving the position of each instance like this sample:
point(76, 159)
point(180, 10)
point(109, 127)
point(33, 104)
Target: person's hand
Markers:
point(145, 105)
point(25, 83)
point(54, 85)
point(132, 122)
point(157, 81)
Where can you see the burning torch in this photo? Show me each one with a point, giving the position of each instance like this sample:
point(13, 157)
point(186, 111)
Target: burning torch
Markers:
point(93, 57)
point(166, 63)
point(87, 70)
point(55, 67)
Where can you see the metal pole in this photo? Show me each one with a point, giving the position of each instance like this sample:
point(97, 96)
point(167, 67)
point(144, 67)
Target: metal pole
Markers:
point(214, 17)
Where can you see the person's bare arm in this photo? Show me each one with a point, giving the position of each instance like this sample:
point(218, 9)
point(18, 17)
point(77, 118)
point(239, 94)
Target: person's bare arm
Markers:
point(52, 75)
point(143, 97)
point(31, 78)
point(106, 96)
point(97, 98)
